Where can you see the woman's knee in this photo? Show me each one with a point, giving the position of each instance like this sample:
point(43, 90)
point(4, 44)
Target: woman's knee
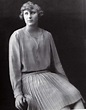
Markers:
point(79, 105)
point(66, 108)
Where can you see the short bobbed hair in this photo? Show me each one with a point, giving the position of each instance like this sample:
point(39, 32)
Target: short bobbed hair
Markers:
point(30, 6)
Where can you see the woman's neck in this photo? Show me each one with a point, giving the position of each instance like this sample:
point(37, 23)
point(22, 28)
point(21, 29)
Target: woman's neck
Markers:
point(32, 28)
point(33, 31)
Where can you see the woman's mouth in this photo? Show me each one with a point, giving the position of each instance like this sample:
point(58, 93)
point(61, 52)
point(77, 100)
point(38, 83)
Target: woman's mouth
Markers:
point(30, 20)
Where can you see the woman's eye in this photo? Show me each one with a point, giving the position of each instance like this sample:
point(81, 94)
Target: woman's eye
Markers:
point(33, 12)
point(26, 13)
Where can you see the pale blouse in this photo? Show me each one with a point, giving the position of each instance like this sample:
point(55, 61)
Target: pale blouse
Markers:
point(27, 53)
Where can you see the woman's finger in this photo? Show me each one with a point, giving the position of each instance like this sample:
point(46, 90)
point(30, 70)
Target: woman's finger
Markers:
point(21, 102)
point(23, 99)
point(19, 106)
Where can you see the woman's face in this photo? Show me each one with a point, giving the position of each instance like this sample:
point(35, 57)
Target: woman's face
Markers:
point(30, 17)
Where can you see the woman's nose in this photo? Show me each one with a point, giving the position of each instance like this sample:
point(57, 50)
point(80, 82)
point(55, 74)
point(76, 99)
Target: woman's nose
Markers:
point(30, 16)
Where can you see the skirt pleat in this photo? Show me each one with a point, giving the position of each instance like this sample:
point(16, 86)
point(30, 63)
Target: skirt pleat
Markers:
point(48, 91)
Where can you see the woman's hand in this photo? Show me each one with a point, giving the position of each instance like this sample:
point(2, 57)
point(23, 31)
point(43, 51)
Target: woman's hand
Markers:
point(20, 102)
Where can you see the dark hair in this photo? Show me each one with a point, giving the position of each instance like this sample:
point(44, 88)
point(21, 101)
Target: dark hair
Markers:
point(29, 6)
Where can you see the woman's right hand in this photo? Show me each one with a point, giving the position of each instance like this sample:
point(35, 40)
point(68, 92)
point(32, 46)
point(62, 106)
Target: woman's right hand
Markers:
point(20, 102)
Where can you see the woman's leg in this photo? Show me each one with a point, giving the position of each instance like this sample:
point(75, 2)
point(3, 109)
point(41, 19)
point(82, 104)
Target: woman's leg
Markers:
point(79, 105)
point(66, 108)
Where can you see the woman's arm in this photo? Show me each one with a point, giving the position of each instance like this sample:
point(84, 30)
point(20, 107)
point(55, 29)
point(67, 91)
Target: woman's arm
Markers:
point(56, 60)
point(15, 64)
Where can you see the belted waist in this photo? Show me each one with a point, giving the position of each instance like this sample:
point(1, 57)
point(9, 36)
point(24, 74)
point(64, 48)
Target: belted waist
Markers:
point(37, 71)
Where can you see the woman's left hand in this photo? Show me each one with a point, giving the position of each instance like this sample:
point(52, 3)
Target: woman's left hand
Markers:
point(20, 102)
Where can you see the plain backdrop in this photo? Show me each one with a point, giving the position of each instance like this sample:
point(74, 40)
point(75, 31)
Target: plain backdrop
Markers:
point(66, 20)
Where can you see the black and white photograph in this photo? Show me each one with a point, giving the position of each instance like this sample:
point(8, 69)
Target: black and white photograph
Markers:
point(43, 54)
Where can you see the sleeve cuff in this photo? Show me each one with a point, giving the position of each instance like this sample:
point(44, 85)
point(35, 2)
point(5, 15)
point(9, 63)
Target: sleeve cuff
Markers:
point(17, 93)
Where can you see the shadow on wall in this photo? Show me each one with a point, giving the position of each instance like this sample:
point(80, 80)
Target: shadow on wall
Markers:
point(67, 31)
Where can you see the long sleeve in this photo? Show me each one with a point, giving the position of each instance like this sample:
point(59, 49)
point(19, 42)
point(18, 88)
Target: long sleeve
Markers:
point(56, 60)
point(15, 64)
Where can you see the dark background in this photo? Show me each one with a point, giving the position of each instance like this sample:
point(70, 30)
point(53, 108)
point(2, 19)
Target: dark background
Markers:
point(66, 20)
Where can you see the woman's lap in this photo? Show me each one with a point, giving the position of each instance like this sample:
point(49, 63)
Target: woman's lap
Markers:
point(49, 90)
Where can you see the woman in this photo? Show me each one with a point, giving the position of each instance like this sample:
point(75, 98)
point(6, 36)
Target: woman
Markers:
point(31, 53)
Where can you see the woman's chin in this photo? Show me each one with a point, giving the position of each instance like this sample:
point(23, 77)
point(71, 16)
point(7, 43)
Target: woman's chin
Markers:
point(30, 24)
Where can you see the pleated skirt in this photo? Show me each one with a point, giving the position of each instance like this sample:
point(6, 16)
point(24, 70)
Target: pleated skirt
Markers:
point(48, 91)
